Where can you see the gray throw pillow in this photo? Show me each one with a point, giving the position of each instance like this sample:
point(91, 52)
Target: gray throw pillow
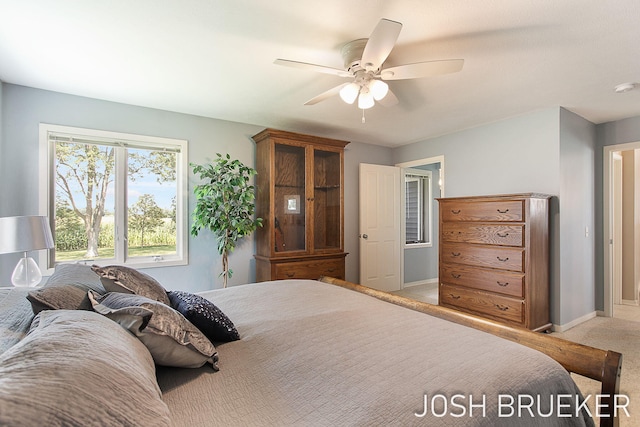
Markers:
point(171, 339)
point(61, 297)
point(118, 278)
point(75, 274)
point(78, 368)
point(66, 289)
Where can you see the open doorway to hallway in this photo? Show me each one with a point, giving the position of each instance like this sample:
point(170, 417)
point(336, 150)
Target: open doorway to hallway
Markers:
point(622, 231)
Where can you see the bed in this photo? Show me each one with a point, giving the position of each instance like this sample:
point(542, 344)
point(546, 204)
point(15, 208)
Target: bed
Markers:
point(310, 353)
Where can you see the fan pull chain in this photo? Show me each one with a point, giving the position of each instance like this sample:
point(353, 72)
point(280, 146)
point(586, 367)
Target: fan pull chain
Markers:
point(363, 119)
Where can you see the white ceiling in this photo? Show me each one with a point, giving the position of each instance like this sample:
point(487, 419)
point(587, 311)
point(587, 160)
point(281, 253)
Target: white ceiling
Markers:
point(214, 58)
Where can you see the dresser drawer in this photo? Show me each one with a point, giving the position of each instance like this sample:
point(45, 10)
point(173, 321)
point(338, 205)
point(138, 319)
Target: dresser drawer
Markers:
point(503, 282)
point(488, 234)
point(496, 306)
point(507, 211)
point(483, 256)
point(312, 269)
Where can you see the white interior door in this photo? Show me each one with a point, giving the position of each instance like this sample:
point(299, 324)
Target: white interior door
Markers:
point(380, 242)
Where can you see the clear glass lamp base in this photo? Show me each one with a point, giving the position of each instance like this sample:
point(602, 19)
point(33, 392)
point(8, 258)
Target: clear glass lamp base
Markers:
point(26, 273)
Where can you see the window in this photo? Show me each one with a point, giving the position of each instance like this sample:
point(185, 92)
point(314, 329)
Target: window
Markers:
point(115, 198)
point(417, 206)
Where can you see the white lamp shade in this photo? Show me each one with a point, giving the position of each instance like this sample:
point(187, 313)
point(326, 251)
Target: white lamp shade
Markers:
point(379, 89)
point(24, 233)
point(349, 93)
point(365, 100)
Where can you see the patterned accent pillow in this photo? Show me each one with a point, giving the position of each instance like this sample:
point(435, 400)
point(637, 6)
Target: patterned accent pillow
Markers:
point(204, 315)
point(171, 339)
point(118, 278)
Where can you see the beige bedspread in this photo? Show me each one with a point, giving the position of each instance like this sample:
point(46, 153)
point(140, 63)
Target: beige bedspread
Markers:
point(313, 354)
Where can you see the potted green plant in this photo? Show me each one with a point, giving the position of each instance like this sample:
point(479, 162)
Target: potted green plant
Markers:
point(225, 205)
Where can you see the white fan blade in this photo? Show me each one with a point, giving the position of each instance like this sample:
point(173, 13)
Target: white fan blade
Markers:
point(325, 95)
point(313, 67)
point(422, 69)
point(380, 44)
point(389, 100)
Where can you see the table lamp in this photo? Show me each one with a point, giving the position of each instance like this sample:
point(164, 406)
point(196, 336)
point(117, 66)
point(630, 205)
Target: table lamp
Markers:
point(23, 234)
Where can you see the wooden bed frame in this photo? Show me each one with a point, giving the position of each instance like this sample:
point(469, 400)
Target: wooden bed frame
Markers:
point(601, 365)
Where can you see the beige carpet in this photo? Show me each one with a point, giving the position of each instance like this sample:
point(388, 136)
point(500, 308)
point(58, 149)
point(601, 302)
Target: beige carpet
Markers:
point(620, 333)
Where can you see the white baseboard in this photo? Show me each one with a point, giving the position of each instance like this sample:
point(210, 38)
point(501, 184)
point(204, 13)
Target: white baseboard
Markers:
point(421, 282)
point(629, 302)
point(576, 322)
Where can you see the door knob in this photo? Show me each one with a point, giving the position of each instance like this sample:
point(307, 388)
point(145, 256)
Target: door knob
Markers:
point(365, 236)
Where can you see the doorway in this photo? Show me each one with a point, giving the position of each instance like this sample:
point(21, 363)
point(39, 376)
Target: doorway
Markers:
point(621, 234)
point(377, 189)
point(420, 258)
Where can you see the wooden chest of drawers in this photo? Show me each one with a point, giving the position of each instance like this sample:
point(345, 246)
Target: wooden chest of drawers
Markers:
point(494, 257)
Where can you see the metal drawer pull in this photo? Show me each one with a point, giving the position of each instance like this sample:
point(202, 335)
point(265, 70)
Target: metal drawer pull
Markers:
point(455, 253)
point(456, 276)
point(503, 259)
point(455, 212)
point(502, 234)
point(503, 211)
point(502, 307)
point(290, 274)
point(331, 270)
point(454, 296)
point(503, 284)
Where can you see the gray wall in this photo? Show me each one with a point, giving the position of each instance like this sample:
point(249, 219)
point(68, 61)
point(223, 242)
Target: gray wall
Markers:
point(576, 296)
point(24, 108)
point(515, 155)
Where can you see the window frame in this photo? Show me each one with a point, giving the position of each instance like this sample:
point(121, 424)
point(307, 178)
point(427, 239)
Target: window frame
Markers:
point(46, 205)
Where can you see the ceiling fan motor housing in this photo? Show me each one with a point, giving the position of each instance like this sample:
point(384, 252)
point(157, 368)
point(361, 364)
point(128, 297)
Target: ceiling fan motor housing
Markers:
point(352, 54)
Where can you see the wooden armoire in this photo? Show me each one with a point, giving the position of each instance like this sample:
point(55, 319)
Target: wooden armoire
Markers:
point(300, 197)
point(494, 257)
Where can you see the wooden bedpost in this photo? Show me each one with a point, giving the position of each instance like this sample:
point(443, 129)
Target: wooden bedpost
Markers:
point(601, 365)
point(612, 366)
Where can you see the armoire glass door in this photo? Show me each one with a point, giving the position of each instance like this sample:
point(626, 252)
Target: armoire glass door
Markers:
point(326, 199)
point(290, 195)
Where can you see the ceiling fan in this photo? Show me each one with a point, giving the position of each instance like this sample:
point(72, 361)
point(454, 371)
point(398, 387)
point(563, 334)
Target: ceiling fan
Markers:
point(364, 61)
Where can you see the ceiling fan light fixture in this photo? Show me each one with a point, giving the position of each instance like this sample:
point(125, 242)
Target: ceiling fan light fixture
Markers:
point(379, 89)
point(365, 100)
point(364, 62)
point(349, 93)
